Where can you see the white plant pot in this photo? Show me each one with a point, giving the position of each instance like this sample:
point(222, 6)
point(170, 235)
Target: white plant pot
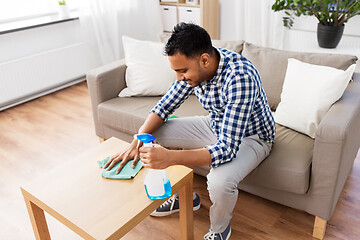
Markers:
point(64, 11)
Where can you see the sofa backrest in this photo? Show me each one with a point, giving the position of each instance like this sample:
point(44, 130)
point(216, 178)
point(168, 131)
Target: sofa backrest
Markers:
point(272, 64)
point(235, 46)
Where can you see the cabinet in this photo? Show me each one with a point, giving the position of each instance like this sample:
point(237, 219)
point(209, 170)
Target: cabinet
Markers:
point(202, 12)
point(169, 17)
point(189, 14)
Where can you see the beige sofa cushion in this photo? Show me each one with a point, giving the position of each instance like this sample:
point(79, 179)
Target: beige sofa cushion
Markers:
point(125, 114)
point(288, 166)
point(272, 64)
point(128, 114)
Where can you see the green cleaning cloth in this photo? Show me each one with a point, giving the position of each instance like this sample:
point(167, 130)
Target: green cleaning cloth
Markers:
point(127, 172)
point(173, 116)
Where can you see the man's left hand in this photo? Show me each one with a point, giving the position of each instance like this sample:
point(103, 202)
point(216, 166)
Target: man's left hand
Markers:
point(155, 157)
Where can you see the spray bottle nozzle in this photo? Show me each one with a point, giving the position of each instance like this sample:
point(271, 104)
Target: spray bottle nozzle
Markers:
point(145, 138)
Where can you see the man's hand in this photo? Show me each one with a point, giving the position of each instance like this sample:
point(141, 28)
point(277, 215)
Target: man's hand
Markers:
point(155, 157)
point(129, 153)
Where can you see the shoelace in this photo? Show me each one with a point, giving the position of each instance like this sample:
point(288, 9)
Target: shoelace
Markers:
point(171, 201)
point(211, 235)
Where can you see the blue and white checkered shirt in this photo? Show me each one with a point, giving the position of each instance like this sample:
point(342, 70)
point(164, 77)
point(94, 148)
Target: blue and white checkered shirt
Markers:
point(235, 100)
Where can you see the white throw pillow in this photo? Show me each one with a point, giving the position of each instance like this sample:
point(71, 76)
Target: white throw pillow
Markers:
point(308, 93)
point(148, 71)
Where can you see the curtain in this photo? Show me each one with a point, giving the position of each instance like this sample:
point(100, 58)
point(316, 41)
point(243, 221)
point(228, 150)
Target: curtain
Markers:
point(253, 21)
point(104, 22)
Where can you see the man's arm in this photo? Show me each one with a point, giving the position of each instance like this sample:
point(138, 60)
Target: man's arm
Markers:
point(194, 157)
point(160, 158)
point(151, 124)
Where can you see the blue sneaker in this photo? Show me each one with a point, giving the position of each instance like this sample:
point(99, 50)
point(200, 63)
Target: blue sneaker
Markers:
point(225, 235)
point(171, 206)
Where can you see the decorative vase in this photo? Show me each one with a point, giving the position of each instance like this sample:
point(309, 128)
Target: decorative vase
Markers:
point(329, 36)
point(64, 11)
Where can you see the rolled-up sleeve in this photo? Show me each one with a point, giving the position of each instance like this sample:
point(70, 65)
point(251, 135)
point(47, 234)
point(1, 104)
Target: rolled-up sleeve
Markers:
point(172, 99)
point(241, 94)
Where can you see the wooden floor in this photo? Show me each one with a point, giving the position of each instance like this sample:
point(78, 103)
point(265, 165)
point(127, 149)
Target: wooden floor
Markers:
point(44, 133)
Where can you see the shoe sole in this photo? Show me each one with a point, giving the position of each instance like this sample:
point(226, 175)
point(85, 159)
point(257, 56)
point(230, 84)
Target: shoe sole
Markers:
point(163, 214)
point(228, 236)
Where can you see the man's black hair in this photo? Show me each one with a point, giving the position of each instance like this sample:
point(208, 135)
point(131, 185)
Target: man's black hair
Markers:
point(189, 39)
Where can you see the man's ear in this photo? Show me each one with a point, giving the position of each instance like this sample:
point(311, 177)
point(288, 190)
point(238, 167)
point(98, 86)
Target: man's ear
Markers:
point(205, 59)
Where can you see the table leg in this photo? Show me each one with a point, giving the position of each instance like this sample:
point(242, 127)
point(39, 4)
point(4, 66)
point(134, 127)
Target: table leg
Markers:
point(186, 211)
point(38, 221)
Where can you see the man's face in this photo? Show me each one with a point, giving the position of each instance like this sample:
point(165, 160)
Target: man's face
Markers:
point(189, 70)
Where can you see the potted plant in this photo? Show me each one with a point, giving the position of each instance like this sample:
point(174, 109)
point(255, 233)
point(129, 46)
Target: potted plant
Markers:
point(332, 16)
point(64, 11)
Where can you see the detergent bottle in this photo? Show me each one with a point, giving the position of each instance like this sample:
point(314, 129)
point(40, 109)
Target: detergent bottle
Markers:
point(157, 184)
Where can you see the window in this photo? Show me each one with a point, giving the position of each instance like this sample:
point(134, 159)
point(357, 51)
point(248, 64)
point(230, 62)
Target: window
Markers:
point(14, 10)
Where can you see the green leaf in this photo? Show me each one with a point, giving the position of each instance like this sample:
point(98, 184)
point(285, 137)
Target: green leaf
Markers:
point(325, 11)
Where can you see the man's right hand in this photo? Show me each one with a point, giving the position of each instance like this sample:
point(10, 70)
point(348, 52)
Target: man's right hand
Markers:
point(129, 153)
point(152, 123)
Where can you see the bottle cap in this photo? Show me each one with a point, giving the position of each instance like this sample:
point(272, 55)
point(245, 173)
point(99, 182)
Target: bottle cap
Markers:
point(145, 138)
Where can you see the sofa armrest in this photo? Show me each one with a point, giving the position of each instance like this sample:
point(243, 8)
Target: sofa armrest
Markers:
point(337, 142)
point(105, 83)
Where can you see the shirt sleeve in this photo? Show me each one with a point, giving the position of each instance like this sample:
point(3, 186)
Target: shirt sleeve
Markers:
point(173, 98)
point(241, 94)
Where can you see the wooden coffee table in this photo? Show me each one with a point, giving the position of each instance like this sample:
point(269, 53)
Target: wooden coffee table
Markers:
point(77, 195)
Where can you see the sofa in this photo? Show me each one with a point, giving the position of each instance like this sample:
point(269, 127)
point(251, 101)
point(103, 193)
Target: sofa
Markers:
point(301, 172)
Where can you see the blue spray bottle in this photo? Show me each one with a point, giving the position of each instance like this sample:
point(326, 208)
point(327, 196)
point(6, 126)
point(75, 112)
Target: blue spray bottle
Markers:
point(157, 184)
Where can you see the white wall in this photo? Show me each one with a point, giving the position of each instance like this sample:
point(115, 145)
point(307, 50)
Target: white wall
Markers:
point(66, 59)
point(37, 40)
point(27, 42)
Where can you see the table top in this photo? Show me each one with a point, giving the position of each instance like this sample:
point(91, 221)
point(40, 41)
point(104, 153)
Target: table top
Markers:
point(95, 207)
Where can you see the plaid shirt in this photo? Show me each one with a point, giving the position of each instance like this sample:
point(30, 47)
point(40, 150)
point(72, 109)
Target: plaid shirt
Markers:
point(235, 100)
